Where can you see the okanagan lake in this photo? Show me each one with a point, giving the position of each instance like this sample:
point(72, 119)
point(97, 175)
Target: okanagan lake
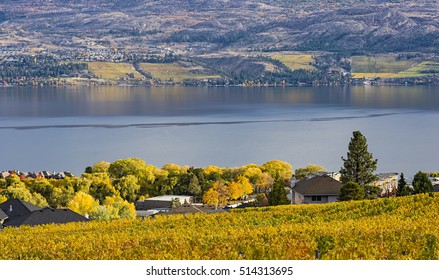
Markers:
point(69, 128)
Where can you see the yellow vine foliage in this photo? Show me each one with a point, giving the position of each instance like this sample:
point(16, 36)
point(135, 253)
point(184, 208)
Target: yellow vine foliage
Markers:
point(391, 228)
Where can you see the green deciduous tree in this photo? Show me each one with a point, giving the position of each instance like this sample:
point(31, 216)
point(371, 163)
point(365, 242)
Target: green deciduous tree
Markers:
point(351, 191)
point(128, 187)
point(194, 186)
point(421, 183)
point(359, 166)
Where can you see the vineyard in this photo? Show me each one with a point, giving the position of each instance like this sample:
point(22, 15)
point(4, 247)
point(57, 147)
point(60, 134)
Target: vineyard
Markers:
point(391, 228)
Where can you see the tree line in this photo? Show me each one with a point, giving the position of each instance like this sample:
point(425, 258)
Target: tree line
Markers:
point(40, 66)
point(108, 190)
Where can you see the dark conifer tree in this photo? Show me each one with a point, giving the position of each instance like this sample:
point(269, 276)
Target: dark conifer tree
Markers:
point(359, 166)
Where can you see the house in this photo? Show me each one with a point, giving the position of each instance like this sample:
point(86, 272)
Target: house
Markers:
point(317, 189)
point(19, 213)
point(387, 182)
point(192, 209)
point(163, 202)
point(15, 208)
point(46, 215)
point(3, 216)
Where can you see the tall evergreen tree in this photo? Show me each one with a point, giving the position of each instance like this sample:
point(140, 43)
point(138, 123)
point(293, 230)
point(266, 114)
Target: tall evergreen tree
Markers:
point(359, 165)
point(421, 183)
point(403, 188)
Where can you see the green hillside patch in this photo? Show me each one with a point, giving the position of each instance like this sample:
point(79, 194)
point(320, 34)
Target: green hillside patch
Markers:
point(390, 67)
point(404, 228)
point(113, 70)
point(296, 61)
point(174, 72)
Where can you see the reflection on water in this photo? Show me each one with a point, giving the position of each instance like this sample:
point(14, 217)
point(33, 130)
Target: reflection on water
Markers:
point(72, 127)
point(175, 101)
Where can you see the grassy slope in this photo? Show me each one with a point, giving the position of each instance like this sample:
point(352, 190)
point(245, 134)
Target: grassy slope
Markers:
point(402, 228)
point(112, 70)
point(295, 61)
point(172, 72)
point(389, 67)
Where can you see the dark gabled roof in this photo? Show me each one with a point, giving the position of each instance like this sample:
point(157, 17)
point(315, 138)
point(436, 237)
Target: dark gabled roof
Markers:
point(318, 185)
point(19, 208)
point(2, 215)
point(46, 216)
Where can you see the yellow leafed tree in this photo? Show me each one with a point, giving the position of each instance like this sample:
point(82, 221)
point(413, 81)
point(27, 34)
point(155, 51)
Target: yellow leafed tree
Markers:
point(83, 203)
point(217, 195)
point(241, 188)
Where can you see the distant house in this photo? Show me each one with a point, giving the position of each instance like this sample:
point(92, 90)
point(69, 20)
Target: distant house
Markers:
point(4, 174)
point(192, 209)
point(19, 213)
point(388, 183)
point(317, 189)
point(162, 202)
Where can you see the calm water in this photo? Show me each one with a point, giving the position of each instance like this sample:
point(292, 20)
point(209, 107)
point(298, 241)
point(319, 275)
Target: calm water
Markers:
point(71, 128)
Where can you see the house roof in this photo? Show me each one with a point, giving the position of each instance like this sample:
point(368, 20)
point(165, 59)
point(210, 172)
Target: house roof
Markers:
point(191, 209)
point(19, 208)
point(318, 185)
point(2, 215)
point(46, 216)
point(169, 197)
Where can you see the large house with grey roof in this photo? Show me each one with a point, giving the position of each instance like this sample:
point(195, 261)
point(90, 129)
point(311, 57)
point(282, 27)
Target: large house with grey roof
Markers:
point(317, 189)
point(16, 212)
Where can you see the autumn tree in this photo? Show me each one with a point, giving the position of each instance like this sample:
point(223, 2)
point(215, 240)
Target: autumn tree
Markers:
point(101, 167)
point(359, 166)
point(122, 208)
point(264, 183)
point(83, 203)
point(101, 186)
point(217, 195)
point(310, 169)
point(252, 172)
point(128, 187)
point(241, 188)
point(279, 170)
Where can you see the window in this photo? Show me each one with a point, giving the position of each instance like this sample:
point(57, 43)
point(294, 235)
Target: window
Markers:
point(316, 198)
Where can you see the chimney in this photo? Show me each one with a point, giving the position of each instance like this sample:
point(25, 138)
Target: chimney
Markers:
point(10, 208)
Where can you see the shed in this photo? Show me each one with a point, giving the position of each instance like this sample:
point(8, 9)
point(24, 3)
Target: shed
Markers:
point(164, 201)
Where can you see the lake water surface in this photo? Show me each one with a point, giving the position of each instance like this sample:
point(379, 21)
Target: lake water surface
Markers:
point(70, 128)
